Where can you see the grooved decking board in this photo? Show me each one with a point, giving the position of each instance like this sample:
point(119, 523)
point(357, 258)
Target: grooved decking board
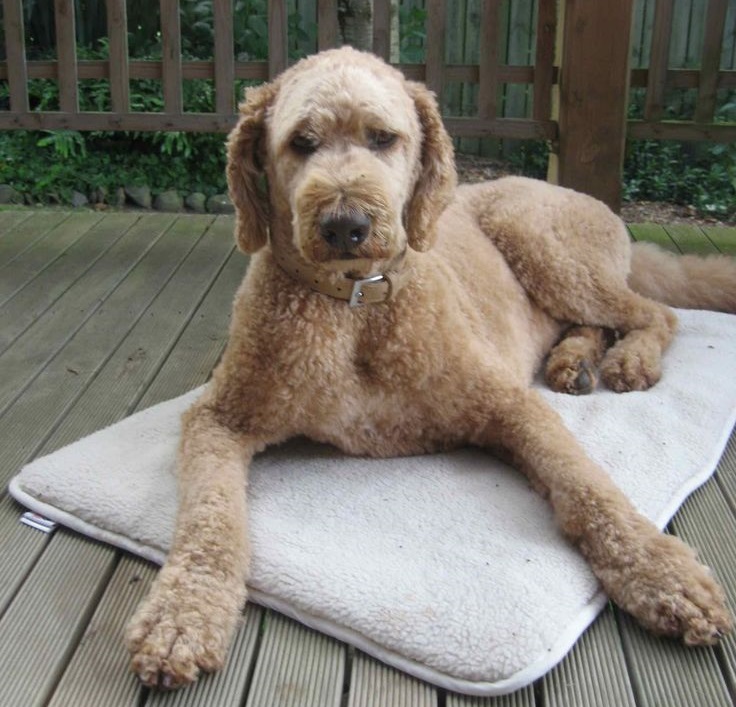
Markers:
point(200, 345)
point(726, 474)
point(690, 239)
point(520, 698)
point(121, 381)
point(26, 233)
point(594, 673)
point(143, 249)
point(19, 549)
point(663, 672)
point(45, 619)
point(652, 233)
point(9, 219)
point(373, 684)
point(704, 522)
point(99, 671)
point(723, 237)
point(228, 686)
point(28, 303)
point(62, 380)
point(44, 252)
point(296, 667)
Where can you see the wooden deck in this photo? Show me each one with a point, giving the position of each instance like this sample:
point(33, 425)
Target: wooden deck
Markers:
point(103, 315)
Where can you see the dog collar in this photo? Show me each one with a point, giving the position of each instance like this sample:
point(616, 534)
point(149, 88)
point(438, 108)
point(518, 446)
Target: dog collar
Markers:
point(357, 292)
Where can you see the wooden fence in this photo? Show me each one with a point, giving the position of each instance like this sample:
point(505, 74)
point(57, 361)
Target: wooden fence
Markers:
point(578, 76)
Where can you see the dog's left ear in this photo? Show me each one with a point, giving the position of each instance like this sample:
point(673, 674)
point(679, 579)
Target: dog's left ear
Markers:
point(436, 178)
point(246, 156)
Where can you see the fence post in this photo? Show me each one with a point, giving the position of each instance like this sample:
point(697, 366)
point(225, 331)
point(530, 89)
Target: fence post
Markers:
point(594, 87)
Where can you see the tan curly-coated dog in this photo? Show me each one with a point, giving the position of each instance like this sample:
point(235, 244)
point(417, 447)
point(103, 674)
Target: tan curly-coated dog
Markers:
point(388, 313)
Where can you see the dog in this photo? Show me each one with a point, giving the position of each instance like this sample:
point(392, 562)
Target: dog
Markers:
point(388, 312)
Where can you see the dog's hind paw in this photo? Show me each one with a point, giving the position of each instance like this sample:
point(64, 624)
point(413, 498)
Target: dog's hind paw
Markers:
point(626, 368)
point(573, 378)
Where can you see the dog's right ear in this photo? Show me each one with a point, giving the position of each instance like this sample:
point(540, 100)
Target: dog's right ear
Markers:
point(246, 154)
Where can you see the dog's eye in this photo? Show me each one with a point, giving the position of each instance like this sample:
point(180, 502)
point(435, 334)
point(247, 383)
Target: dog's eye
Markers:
point(381, 139)
point(304, 144)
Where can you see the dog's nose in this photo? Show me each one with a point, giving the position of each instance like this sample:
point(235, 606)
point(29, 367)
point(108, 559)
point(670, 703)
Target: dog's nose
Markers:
point(345, 232)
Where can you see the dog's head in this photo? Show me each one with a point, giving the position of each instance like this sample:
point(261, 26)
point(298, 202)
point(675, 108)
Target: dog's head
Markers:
point(352, 154)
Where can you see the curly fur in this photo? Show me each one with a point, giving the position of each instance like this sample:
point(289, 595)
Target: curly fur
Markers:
point(499, 273)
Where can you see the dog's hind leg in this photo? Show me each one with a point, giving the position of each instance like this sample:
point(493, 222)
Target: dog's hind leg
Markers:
point(572, 365)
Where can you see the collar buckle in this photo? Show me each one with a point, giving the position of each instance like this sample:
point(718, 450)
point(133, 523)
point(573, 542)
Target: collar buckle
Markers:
point(357, 297)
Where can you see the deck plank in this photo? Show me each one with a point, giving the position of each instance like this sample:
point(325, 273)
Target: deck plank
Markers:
point(373, 684)
point(10, 218)
point(690, 239)
point(296, 667)
point(594, 673)
point(80, 357)
point(722, 237)
point(120, 383)
point(520, 698)
point(705, 520)
point(98, 673)
point(653, 234)
point(50, 609)
point(144, 249)
point(38, 294)
point(26, 233)
point(28, 264)
point(664, 672)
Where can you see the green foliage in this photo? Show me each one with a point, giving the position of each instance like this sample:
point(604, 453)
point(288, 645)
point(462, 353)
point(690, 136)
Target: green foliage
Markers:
point(703, 176)
point(412, 21)
point(49, 168)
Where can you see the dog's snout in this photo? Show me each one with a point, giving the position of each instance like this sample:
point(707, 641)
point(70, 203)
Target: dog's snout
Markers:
point(345, 232)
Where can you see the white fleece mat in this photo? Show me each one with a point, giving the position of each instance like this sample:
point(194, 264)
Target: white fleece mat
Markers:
point(448, 567)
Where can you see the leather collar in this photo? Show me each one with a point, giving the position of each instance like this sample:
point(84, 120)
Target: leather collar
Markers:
point(373, 289)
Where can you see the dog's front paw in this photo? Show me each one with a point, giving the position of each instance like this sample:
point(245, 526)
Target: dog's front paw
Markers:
point(670, 593)
point(180, 630)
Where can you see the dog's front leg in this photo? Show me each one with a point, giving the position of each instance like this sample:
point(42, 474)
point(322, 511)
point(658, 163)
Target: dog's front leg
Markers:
point(187, 621)
point(653, 576)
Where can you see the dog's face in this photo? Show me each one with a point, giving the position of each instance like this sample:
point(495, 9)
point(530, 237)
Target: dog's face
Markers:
point(343, 149)
point(354, 154)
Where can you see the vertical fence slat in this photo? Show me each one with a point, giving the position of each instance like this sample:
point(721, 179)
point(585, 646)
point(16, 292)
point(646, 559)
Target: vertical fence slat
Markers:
point(224, 57)
point(171, 46)
point(117, 29)
point(15, 49)
point(594, 87)
point(278, 47)
point(66, 55)
point(658, 60)
point(715, 21)
point(435, 46)
point(488, 69)
point(328, 29)
point(544, 59)
point(382, 28)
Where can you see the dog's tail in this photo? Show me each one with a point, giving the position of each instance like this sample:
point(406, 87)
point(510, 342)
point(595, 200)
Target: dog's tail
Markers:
point(687, 281)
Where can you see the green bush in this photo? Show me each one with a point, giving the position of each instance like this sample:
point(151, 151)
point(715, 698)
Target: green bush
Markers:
point(703, 175)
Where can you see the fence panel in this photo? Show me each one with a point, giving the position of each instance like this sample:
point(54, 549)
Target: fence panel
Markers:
point(507, 57)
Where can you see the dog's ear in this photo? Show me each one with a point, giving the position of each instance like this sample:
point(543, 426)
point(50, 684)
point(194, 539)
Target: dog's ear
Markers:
point(436, 178)
point(246, 153)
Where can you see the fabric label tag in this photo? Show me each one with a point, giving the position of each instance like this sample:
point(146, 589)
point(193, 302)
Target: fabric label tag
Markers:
point(38, 522)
